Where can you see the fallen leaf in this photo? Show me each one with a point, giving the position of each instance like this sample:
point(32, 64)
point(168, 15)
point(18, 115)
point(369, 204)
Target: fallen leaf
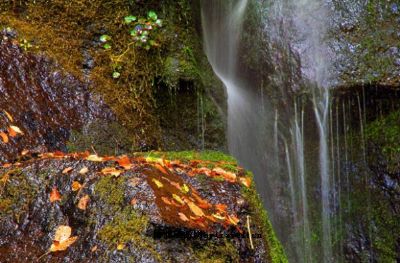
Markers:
point(221, 207)
point(94, 249)
point(246, 181)
point(55, 195)
point(14, 130)
point(76, 186)
point(7, 165)
point(178, 199)
point(83, 202)
point(166, 200)
point(195, 209)
point(8, 116)
point(94, 158)
point(229, 176)
point(158, 183)
point(218, 216)
point(84, 170)
point(4, 137)
point(233, 219)
point(111, 171)
point(62, 239)
point(183, 217)
point(185, 189)
point(161, 168)
point(120, 246)
point(67, 170)
point(24, 152)
point(124, 162)
point(134, 201)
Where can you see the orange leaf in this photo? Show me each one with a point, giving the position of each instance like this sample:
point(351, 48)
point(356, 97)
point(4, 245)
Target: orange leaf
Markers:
point(195, 209)
point(221, 207)
point(76, 186)
point(233, 219)
point(246, 181)
point(24, 152)
point(166, 200)
point(134, 201)
point(7, 165)
point(67, 170)
point(55, 195)
point(62, 239)
point(62, 246)
point(183, 217)
point(14, 131)
point(4, 137)
point(83, 202)
point(161, 168)
point(229, 176)
point(125, 162)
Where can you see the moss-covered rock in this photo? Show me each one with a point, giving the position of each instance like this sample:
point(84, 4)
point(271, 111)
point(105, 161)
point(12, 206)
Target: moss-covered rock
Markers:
point(153, 209)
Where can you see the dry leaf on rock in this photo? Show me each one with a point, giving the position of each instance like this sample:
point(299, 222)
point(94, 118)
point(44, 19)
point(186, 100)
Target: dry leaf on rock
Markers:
point(62, 239)
point(55, 195)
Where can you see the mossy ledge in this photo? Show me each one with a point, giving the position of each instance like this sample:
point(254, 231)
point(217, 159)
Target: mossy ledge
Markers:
point(123, 219)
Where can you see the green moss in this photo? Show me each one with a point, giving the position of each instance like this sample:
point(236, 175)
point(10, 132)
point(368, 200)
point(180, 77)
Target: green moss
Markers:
point(111, 192)
point(16, 193)
point(216, 253)
point(384, 134)
point(275, 250)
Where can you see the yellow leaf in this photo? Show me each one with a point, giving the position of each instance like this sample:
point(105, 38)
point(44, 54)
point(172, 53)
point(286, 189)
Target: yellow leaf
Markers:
point(120, 246)
point(62, 233)
point(185, 189)
point(94, 158)
point(8, 116)
point(16, 129)
point(195, 209)
point(111, 171)
point(178, 198)
point(246, 181)
point(84, 170)
point(218, 216)
point(158, 183)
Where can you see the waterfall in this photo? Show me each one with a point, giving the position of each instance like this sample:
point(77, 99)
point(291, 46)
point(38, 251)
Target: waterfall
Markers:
point(258, 132)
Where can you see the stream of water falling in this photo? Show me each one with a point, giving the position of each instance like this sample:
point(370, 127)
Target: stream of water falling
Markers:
point(254, 125)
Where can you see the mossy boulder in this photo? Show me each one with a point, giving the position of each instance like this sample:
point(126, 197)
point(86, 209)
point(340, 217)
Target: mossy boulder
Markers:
point(150, 207)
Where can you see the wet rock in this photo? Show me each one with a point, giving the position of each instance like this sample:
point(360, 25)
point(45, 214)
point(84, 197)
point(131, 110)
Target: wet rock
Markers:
point(130, 217)
point(45, 102)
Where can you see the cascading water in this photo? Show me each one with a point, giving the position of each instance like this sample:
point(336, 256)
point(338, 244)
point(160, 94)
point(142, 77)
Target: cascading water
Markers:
point(257, 132)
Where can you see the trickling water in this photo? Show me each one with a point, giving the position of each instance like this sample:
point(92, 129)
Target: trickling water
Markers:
point(253, 126)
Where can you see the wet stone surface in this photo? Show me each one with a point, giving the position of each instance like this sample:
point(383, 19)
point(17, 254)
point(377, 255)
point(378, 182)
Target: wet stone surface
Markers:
point(139, 210)
point(44, 102)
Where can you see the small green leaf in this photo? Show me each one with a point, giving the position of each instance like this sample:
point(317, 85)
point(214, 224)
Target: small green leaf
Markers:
point(152, 15)
point(116, 74)
point(105, 38)
point(147, 47)
point(133, 32)
point(107, 46)
point(129, 19)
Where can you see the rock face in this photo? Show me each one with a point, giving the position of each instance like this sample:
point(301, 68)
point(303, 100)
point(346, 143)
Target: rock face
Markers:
point(44, 102)
point(132, 210)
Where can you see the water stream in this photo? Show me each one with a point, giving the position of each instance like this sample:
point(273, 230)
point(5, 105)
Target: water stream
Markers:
point(257, 131)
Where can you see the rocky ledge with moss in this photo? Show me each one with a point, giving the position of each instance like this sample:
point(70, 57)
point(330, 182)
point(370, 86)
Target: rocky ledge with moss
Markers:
point(149, 207)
